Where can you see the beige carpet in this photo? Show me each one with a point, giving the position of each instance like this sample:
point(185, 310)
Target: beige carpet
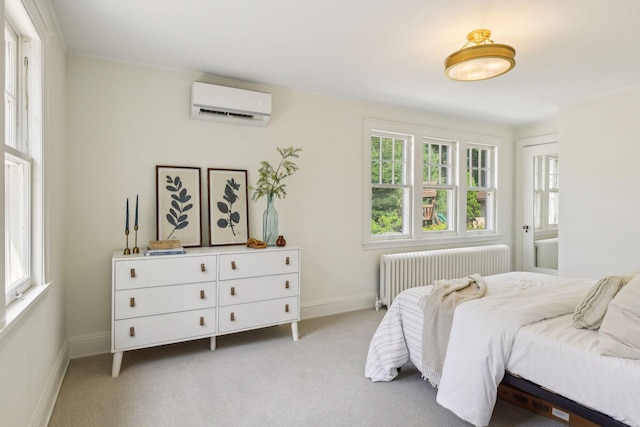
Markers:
point(259, 378)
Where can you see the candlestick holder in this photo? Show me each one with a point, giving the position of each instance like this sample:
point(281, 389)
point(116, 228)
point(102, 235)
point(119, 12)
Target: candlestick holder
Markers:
point(136, 250)
point(127, 251)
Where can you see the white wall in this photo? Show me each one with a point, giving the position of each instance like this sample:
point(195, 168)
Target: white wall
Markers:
point(34, 351)
point(599, 179)
point(123, 120)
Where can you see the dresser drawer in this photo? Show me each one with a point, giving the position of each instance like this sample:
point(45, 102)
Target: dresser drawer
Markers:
point(162, 329)
point(241, 291)
point(151, 271)
point(262, 313)
point(235, 266)
point(163, 299)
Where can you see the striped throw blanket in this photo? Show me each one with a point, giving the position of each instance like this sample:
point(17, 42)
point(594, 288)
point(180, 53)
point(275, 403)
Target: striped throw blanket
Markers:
point(438, 308)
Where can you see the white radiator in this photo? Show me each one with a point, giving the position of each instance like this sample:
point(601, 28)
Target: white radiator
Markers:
point(407, 270)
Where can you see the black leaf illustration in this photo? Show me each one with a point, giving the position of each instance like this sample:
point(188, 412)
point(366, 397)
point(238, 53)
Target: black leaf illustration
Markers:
point(227, 208)
point(223, 208)
point(176, 215)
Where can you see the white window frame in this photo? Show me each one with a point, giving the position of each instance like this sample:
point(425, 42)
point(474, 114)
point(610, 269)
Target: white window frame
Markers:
point(415, 235)
point(490, 187)
point(405, 185)
point(28, 149)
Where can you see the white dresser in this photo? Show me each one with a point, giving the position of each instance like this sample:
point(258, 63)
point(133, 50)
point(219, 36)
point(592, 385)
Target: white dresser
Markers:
point(204, 293)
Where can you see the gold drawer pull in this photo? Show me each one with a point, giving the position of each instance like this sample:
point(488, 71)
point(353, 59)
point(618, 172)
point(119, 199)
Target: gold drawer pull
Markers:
point(286, 284)
point(286, 308)
point(201, 321)
point(287, 261)
point(132, 302)
point(233, 317)
point(233, 265)
point(202, 296)
point(133, 272)
point(202, 268)
point(132, 331)
point(233, 291)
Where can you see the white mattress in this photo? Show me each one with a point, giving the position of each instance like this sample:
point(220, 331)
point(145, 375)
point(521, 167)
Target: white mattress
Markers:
point(566, 361)
point(550, 353)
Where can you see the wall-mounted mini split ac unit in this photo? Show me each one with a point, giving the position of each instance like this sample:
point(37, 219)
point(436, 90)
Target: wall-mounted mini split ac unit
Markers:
point(230, 105)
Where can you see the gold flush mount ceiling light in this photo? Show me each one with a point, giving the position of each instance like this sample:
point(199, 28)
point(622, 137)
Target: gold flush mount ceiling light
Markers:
point(480, 58)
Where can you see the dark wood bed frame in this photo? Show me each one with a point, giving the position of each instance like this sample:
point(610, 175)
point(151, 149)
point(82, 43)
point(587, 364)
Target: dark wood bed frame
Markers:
point(528, 395)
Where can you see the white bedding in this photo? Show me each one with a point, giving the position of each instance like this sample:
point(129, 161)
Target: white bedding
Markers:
point(471, 393)
point(610, 385)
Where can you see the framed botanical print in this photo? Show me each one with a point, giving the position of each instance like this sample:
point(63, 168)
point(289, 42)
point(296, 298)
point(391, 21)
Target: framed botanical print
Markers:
point(178, 205)
point(228, 207)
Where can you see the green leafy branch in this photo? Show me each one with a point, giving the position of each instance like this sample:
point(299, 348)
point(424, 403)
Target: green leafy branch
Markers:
point(271, 179)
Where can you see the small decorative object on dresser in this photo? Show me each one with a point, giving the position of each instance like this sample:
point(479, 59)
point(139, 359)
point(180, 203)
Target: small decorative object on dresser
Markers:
point(281, 242)
point(127, 251)
point(271, 184)
point(178, 204)
point(203, 293)
point(136, 249)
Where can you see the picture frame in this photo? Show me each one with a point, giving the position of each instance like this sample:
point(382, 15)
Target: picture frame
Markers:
point(228, 206)
point(178, 205)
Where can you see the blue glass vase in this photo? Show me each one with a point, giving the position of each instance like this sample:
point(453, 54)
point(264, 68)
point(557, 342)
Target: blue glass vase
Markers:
point(270, 222)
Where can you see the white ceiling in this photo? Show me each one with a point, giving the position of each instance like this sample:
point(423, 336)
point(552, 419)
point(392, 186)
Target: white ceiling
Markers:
point(384, 51)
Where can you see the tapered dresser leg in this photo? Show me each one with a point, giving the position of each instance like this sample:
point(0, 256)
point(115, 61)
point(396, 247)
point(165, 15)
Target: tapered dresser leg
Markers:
point(294, 330)
point(212, 343)
point(117, 362)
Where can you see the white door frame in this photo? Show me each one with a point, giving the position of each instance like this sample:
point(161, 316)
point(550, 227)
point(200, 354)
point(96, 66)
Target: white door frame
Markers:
point(520, 234)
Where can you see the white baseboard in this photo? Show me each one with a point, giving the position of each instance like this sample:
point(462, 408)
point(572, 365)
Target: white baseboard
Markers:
point(89, 345)
point(47, 400)
point(327, 307)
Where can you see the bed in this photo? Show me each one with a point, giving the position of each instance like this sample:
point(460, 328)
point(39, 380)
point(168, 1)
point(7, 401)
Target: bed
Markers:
point(523, 323)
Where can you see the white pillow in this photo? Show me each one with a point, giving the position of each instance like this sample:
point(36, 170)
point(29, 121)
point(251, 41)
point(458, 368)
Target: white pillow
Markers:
point(590, 312)
point(620, 331)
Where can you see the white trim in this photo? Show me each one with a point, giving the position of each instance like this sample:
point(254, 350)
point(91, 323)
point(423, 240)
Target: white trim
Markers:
point(47, 401)
point(327, 307)
point(18, 311)
point(433, 242)
point(89, 345)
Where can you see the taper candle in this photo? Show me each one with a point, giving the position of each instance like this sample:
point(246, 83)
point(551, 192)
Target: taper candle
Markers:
point(136, 224)
point(126, 224)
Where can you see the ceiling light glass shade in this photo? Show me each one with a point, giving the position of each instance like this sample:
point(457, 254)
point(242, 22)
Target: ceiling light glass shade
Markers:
point(480, 58)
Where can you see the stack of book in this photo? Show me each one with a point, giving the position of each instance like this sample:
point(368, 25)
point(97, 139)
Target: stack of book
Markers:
point(164, 247)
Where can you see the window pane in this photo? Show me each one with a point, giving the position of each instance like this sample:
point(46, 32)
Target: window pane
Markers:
point(388, 160)
point(437, 209)
point(387, 210)
point(553, 208)
point(476, 210)
point(436, 168)
point(478, 165)
point(537, 209)
point(375, 148)
point(10, 87)
point(375, 172)
point(16, 173)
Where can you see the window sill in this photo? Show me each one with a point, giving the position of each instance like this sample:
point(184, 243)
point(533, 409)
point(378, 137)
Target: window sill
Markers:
point(17, 311)
point(431, 243)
